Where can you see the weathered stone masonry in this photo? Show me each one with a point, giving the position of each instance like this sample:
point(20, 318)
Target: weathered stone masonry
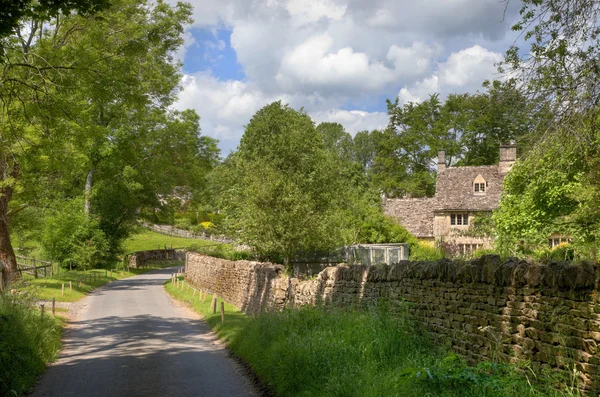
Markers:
point(140, 258)
point(546, 313)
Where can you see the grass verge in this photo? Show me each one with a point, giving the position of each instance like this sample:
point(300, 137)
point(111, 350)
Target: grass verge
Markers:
point(27, 343)
point(48, 288)
point(334, 352)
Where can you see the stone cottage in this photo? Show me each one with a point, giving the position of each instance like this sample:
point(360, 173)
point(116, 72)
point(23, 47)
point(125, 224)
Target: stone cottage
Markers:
point(461, 193)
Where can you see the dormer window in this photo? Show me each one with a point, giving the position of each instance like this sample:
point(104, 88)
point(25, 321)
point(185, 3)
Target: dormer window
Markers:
point(479, 185)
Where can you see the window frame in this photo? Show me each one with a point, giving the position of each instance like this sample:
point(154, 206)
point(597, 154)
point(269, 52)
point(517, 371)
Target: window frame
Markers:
point(459, 219)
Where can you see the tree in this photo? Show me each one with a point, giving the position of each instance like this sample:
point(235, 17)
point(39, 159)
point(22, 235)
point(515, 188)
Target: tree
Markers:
point(561, 67)
point(286, 192)
point(336, 139)
point(100, 89)
point(545, 193)
point(468, 127)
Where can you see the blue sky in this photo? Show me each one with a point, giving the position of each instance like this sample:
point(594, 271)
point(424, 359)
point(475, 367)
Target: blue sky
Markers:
point(339, 59)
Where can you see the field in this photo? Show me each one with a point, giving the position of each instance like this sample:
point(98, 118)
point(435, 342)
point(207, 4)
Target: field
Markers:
point(149, 240)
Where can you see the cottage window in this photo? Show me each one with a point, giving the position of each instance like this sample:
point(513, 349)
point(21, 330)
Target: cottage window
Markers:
point(459, 219)
point(479, 185)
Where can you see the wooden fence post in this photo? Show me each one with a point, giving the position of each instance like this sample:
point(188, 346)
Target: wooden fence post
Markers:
point(42, 311)
point(70, 286)
point(213, 304)
point(35, 272)
point(51, 269)
point(222, 311)
point(53, 307)
point(1, 281)
point(63, 289)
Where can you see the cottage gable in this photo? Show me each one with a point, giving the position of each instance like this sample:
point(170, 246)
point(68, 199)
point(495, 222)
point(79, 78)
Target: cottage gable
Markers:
point(455, 188)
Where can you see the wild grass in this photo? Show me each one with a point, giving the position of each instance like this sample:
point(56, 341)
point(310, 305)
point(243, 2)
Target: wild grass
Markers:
point(27, 343)
point(332, 352)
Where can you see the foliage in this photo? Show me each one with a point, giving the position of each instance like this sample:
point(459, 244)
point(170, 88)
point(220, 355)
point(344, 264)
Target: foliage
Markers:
point(85, 110)
point(27, 343)
point(68, 237)
point(421, 251)
point(468, 127)
point(552, 190)
point(560, 67)
point(283, 191)
point(223, 251)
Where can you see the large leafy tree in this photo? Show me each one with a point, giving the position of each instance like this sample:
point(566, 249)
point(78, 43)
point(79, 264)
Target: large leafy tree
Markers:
point(96, 91)
point(286, 190)
point(555, 188)
point(469, 127)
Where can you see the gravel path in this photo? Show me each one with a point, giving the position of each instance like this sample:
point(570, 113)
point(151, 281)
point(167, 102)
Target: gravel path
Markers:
point(128, 338)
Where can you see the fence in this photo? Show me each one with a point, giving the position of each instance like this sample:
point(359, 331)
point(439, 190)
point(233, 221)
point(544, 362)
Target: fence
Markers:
point(35, 267)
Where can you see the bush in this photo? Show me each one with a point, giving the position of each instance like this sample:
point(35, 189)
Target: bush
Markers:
point(223, 251)
point(421, 251)
point(26, 344)
point(72, 239)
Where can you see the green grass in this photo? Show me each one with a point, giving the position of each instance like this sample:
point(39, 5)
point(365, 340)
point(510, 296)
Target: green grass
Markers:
point(48, 288)
point(333, 352)
point(149, 240)
point(27, 343)
point(234, 319)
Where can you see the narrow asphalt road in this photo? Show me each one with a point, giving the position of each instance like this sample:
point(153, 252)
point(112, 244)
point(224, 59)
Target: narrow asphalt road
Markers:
point(129, 339)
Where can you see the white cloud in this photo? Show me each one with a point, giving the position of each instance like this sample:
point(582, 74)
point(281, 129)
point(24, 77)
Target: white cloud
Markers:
point(463, 71)
point(316, 65)
point(225, 107)
point(322, 54)
point(468, 66)
point(353, 120)
point(312, 10)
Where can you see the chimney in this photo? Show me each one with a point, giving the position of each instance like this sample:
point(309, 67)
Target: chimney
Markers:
point(441, 161)
point(508, 156)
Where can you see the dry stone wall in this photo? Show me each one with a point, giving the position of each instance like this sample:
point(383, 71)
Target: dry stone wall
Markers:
point(140, 258)
point(546, 313)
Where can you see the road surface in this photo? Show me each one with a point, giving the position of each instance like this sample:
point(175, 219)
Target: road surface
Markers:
point(128, 338)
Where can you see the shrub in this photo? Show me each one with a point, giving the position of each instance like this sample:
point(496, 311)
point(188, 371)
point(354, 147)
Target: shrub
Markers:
point(421, 251)
point(72, 239)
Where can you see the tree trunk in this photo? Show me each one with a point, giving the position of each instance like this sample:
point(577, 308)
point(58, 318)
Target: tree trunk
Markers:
point(88, 191)
point(8, 262)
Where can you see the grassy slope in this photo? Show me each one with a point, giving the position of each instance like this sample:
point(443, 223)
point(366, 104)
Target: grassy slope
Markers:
point(149, 240)
point(313, 352)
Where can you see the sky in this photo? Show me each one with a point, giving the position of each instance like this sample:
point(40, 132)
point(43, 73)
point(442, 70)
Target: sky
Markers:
point(338, 59)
